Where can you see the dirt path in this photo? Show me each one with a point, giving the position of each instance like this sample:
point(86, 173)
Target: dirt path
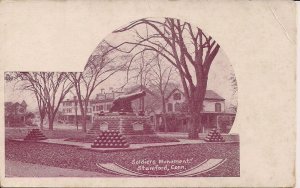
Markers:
point(21, 169)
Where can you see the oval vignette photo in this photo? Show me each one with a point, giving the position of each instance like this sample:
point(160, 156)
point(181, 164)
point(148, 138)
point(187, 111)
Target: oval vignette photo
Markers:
point(157, 98)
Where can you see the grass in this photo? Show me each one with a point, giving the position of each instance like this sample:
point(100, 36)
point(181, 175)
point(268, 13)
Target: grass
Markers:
point(79, 136)
point(75, 158)
point(59, 133)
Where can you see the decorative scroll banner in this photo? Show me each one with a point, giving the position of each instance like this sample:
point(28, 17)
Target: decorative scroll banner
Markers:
point(205, 166)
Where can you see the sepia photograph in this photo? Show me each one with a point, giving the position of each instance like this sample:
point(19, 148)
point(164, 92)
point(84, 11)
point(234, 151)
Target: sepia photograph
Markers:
point(157, 98)
point(156, 93)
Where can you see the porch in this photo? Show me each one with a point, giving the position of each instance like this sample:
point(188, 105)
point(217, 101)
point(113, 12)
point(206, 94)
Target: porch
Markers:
point(179, 122)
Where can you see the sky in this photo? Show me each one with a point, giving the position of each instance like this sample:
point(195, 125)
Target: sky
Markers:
point(218, 79)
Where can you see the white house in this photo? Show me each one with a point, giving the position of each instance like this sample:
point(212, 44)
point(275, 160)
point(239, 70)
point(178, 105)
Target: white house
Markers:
point(71, 110)
point(212, 101)
point(213, 113)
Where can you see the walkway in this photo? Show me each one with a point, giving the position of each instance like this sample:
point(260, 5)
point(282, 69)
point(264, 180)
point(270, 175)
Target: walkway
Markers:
point(21, 169)
point(131, 147)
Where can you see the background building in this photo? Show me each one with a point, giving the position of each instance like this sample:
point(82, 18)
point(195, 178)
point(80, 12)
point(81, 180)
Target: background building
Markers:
point(214, 114)
point(16, 113)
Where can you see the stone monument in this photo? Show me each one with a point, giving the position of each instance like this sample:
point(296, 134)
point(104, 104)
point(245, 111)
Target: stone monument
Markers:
point(121, 117)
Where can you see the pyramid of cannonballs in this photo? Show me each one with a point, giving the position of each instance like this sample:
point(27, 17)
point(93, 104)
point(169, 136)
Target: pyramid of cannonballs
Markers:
point(214, 136)
point(110, 139)
point(35, 135)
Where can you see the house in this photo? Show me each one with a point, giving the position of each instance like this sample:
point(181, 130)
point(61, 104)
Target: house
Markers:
point(213, 113)
point(212, 102)
point(103, 101)
point(15, 113)
point(70, 109)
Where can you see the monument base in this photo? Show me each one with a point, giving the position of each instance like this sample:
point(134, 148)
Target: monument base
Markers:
point(125, 124)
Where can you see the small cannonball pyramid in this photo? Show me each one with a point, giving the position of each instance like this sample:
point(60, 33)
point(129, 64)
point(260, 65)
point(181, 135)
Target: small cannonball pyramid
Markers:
point(35, 135)
point(214, 136)
point(110, 139)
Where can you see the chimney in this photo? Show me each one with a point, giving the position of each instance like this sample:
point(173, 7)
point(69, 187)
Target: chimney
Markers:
point(102, 90)
point(111, 89)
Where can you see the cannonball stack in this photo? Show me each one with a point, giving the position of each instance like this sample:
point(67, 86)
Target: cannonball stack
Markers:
point(35, 135)
point(214, 136)
point(110, 139)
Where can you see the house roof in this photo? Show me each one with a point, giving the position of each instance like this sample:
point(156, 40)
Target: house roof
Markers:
point(173, 91)
point(24, 103)
point(138, 88)
point(210, 94)
point(8, 103)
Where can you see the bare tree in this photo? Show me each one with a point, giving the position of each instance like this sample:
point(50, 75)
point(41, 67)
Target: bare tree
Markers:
point(42, 109)
point(29, 84)
point(49, 88)
point(186, 48)
point(161, 77)
point(98, 69)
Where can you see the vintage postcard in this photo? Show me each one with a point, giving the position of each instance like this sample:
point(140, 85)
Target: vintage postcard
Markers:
point(148, 93)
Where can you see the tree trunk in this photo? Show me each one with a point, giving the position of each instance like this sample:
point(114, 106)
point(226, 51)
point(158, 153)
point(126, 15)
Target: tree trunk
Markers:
point(51, 121)
point(42, 123)
point(83, 117)
point(195, 108)
point(194, 125)
point(164, 120)
point(83, 122)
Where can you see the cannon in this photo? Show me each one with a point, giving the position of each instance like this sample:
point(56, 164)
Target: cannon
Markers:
point(123, 103)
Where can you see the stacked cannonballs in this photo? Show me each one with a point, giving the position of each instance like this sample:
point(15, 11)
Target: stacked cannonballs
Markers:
point(110, 139)
point(214, 136)
point(35, 135)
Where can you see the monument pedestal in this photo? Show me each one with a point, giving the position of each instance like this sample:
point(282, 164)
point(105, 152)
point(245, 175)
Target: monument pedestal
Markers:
point(126, 124)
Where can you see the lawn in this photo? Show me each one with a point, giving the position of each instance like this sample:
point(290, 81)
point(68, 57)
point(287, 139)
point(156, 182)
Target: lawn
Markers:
point(57, 133)
point(79, 136)
point(75, 158)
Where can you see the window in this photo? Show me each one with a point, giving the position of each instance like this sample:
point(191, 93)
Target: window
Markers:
point(99, 108)
point(108, 106)
point(177, 107)
point(218, 107)
point(177, 96)
point(170, 107)
point(21, 110)
point(68, 103)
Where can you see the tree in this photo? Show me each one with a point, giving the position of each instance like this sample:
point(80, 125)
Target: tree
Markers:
point(28, 83)
point(49, 88)
point(233, 105)
point(161, 76)
point(186, 48)
point(98, 69)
